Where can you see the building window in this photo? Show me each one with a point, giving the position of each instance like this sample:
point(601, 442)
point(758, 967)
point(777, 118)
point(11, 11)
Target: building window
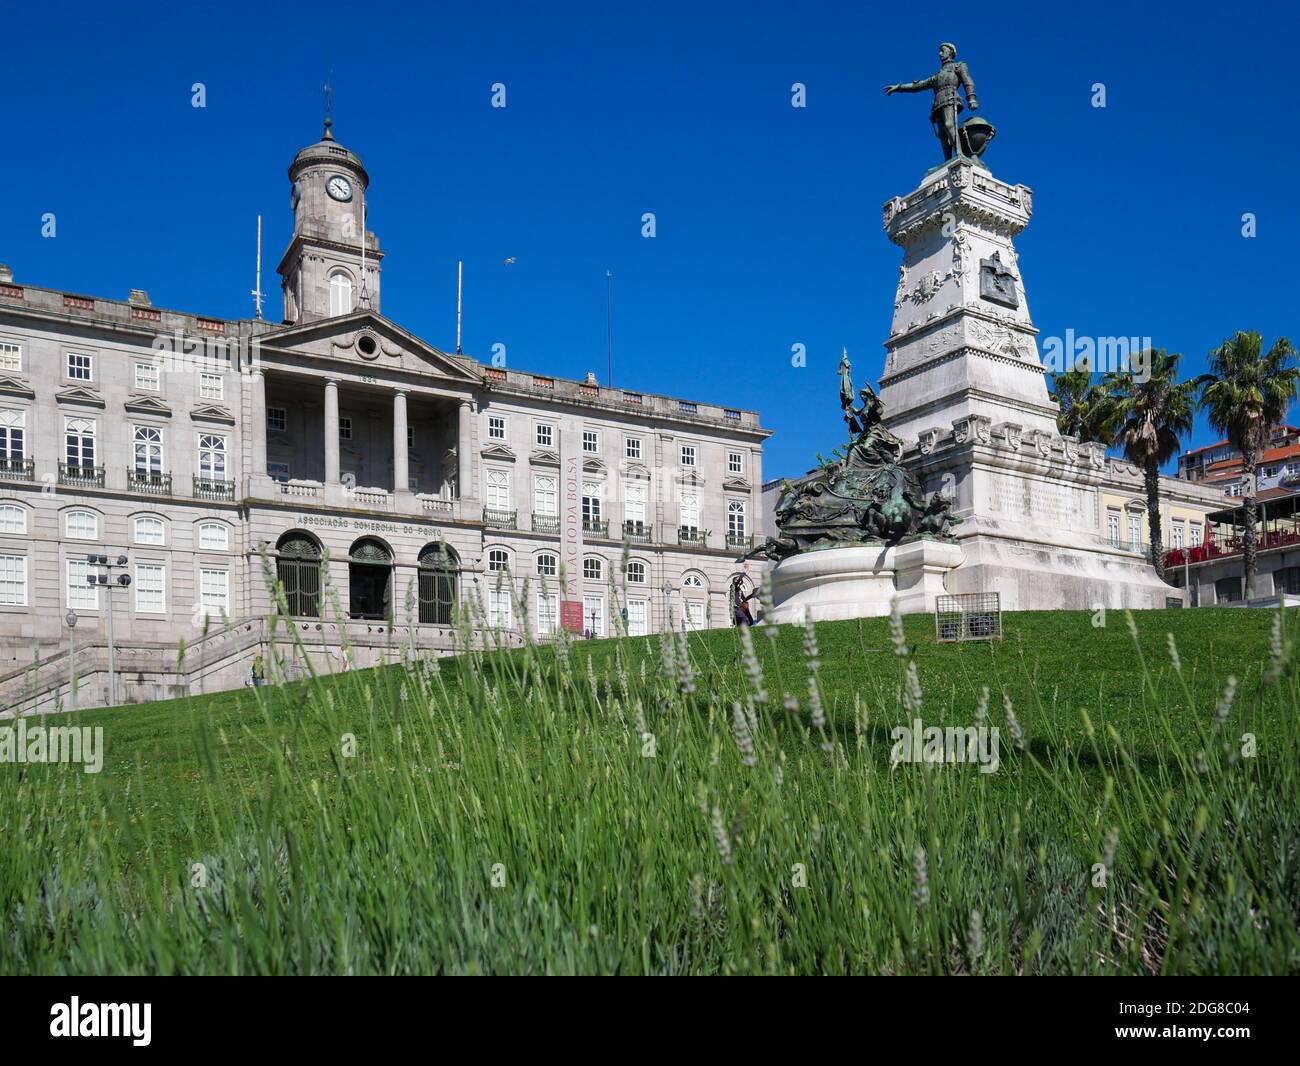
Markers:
point(1112, 527)
point(546, 500)
point(412, 484)
point(631, 447)
point(1196, 535)
point(1227, 589)
point(214, 536)
point(634, 503)
point(688, 455)
point(438, 581)
point(548, 613)
point(80, 441)
point(11, 357)
point(496, 427)
point(212, 456)
point(345, 428)
point(545, 435)
point(498, 490)
point(591, 441)
point(548, 565)
point(340, 295)
point(499, 561)
point(13, 580)
point(1178, 534)
point(149, 529)
point(148, 450)
point(13, 519)
point(636, 572)
point(212, 387)
point(735, 518)
point(13, 425)
point(499, 615)
point(148, 377)
point(80, 367)
point(593, 569)
point(591, 502)
point(695, 614)
point(214, 592)
point(81, 525)
point(276, 419)
point(278, 471)
point(689, 510)
point(637, 618)
point(735, 462)
point(410, 438)
point(1134, 531)
point(593, 615)
point(150, 588)
point(82, 595)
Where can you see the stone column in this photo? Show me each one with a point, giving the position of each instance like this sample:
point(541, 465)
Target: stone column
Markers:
point(401, 477)
point(257, 397)
point(464, 452)
point(331, 432)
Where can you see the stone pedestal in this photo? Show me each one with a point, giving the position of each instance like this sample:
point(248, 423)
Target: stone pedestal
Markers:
point(860, 581)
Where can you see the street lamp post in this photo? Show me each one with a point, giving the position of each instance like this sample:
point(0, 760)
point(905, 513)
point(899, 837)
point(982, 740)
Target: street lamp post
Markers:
point(102, 577)
point(71, 619)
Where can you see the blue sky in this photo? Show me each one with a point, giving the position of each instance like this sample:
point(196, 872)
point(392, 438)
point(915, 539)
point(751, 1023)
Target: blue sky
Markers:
point(768, 217)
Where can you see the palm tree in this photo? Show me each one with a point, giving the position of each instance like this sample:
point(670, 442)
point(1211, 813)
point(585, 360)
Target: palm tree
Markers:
point(1086, 409)
point(1245, 394)
point(1152, 411)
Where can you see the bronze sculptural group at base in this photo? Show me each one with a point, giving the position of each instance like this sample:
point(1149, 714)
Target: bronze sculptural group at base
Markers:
point(863, 497)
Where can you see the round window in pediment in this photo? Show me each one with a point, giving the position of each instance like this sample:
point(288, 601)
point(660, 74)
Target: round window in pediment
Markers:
point(367, 346)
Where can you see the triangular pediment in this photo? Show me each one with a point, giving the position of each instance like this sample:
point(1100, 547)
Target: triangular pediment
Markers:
point(594, 466)
point(367, 339)
point(636, 472)
point(79, 396)
point(14, 387)
point(544, 457)
point(737, 484)
point(147, 405)
point(211, 412)
point(498, 451)
point(690, 478)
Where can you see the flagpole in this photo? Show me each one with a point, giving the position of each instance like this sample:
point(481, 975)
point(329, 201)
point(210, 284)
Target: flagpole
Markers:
point(460, 264)
point(609, 328)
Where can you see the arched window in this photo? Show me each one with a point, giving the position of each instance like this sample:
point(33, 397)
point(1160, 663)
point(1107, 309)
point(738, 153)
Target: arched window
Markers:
point(593, 568)
point(13, 519)
point(81, 525)
point(695, 602)
point(297, 567)
point(149, 529)
point(636, 572)
point(693, 581)
point(548, 565)
point(340, 295)
point(439, 575)
point(214, 536)
point(370, 579)
point(498, 560)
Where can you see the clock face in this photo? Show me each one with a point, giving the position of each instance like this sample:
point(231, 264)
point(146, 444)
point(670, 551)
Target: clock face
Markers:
point(339, 187)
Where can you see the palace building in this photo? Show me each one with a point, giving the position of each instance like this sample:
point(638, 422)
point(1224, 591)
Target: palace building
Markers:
point(348, 458)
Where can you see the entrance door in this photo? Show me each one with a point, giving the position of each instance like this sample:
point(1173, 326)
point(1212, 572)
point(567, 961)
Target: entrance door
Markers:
point(370, 580)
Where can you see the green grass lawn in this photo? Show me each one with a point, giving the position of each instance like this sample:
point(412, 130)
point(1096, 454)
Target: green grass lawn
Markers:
point(644, 806)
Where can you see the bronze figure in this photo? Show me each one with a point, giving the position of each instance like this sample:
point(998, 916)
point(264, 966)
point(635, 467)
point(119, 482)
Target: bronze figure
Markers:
point(947, 83)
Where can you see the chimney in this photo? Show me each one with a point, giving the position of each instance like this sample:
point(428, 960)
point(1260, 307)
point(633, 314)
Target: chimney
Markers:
point(6, 275)
point(139, 296)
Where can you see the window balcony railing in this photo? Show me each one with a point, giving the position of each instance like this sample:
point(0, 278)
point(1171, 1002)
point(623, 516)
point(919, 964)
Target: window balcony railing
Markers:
point(213, 488)
point(595, 527)
point(546, 523)
point(18, 469)
point(494, 519)
point(145, 481)
point(81, 476)
point(740, 540)
point(637, 532)
point(691, 535)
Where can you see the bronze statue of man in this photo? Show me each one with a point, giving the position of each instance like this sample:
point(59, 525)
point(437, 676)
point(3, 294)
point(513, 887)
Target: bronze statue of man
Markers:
point(947, 82)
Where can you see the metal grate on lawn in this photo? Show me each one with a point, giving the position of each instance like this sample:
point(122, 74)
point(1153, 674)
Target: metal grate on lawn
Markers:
point(969, 616)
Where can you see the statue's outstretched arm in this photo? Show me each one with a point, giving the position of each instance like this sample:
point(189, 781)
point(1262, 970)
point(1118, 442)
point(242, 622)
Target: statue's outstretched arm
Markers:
point(911, 86)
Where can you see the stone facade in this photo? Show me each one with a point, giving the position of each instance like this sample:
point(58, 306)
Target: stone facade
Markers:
point(334, 449)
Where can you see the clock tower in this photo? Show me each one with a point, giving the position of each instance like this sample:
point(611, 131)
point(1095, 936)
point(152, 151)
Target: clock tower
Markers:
point(331, 266)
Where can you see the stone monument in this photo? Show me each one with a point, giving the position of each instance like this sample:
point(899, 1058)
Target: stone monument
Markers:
point(966, 393)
